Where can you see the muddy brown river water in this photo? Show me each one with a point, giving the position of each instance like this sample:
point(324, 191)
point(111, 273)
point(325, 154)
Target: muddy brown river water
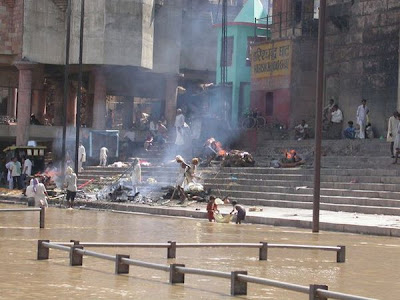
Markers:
point(372, 267)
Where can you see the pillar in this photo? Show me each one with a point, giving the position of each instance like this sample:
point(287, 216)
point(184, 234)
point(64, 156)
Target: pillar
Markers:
point(71, 105)
point(58, 104)
point(99, 100)
point(24, 101)
point(12, 103)
point(128, 113)
point(171, 94)
point(398, 85)
point(38, 97)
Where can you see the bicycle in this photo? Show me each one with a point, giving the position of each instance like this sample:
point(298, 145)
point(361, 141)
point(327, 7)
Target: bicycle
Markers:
point(253, 122)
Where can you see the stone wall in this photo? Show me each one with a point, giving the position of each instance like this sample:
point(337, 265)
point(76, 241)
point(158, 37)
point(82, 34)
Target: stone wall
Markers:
point(303, 80)
point(361, 59)
point(11, 22)
point(118, 32)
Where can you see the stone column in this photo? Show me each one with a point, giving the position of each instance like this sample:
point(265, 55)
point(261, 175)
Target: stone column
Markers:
point(99, 100)
point(38, 98)
point(171, 94)
point(398, 85)
point(24, 101)
point(58, 104)
point(71, 105)
point(128, 112)
point(12, 103)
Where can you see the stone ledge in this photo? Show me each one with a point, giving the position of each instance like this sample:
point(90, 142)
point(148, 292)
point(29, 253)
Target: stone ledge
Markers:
point(182, 212)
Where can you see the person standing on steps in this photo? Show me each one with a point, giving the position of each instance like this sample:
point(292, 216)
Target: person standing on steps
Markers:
point(103, 156)
point(362, 114)
point(16, 173)
point(81, 157)
point(392, 131)
point(179, 125)
point(71, 186)
point(136, 175)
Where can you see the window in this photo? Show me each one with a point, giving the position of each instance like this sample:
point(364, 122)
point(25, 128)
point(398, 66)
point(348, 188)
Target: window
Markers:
point(229, 52)
point(269, 104)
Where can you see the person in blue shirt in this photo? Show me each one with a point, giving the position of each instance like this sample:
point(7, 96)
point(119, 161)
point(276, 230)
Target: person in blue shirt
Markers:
point(350, 132)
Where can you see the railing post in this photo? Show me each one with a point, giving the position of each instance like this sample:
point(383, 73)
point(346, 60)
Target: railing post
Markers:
point(174, 275)
point(238, 287)
point(171, 250)
point(75, 242)
point(41, 216)
point(341, 254)
point(120, 267)
point(313, 295)
point(263, 255)
point(43, 252)
point(75, 258)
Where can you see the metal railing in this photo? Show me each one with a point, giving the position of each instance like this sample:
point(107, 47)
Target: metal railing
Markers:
point(172, 246)
point(284, 24)
point(177, 272)
point(40, 210)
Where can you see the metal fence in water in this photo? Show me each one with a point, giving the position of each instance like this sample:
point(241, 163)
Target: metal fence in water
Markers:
point(40, 210)
point(171, 247)
point(177, 272)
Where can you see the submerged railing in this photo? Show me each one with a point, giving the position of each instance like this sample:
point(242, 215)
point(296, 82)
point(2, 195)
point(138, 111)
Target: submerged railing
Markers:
point(177, 272)
point(172, 246)
point(41, 215)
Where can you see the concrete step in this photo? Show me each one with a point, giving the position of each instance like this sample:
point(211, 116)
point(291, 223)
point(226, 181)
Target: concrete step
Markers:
point(323, 206)
point(301, 177)
point(310, 171)
point(306, 191)
point(331, 185)
point(363, 201)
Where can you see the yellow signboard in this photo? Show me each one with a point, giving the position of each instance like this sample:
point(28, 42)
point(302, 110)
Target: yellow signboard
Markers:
point(271, 59)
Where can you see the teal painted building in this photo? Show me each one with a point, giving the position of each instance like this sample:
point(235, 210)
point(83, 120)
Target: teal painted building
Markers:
point(239, 33)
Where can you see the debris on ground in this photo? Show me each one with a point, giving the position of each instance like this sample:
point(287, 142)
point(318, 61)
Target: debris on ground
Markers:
point(238, 158)
point(256, 209)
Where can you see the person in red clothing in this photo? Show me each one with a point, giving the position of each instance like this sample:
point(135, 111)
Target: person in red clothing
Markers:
point(211, 208)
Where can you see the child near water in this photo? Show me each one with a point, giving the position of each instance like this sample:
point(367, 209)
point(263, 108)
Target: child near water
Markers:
point(241, 212)
point(211, 208)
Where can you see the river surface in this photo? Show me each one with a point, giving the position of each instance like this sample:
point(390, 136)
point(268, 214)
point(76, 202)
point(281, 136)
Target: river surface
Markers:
point(371, 269)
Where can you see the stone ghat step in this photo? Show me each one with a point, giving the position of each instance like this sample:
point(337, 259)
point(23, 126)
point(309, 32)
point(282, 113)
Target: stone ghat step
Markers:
point(309, 198)
point(376, 210)
point(301, 177)
point(331, 185)
point(306, 191)
point(308, 171)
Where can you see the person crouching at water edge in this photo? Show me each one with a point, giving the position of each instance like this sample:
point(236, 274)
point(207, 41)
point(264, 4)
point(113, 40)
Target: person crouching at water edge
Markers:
point(37, 191)
point(211, 208)
point(70, 184)
point(240, 214)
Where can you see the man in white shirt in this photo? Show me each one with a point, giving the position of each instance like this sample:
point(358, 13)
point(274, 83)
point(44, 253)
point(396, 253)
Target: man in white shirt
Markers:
point(336, 122)
point(362, 113)
point(16, 173)
point(103, 156)
point(179, 125)
point(81, 156)
point(26, 171)
point(301, 131)
point(392, 131)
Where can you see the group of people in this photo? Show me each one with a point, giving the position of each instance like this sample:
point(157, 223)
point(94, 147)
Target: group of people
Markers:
point(17, 173)
point(333, 120)
point(103, 156)
point(158, 134)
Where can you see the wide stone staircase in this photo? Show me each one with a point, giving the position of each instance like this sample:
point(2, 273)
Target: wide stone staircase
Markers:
point(356, 176)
